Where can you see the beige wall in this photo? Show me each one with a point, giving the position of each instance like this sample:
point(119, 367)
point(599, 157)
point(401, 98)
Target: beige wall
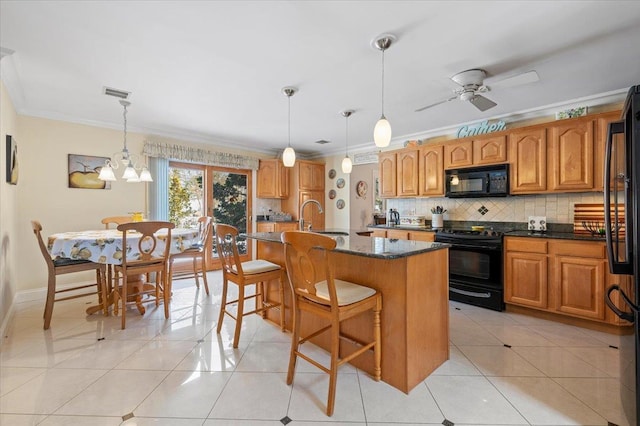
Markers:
point(361, 213)
point(8, 209)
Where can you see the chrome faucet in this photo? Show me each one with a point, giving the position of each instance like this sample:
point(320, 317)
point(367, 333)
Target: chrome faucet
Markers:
point(301, 221)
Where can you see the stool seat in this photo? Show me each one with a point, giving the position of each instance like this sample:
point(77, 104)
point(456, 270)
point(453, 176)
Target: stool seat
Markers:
point(346, 292)
point(251, 267)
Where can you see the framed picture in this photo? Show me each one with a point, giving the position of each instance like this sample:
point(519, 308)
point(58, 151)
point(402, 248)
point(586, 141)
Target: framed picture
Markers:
point(12, 160)
point(84, 171)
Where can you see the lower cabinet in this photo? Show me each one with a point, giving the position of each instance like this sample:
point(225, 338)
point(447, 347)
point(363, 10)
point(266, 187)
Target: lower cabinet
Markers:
point(567, 277)
point(403, 234)
point(276, 226)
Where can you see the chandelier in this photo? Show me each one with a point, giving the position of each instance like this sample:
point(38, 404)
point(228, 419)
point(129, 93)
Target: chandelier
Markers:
point(130, 162)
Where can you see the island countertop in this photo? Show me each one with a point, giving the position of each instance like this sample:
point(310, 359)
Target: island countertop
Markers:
point(352, 243)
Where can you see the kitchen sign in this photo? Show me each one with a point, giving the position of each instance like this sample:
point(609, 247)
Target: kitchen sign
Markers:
point(481, 129)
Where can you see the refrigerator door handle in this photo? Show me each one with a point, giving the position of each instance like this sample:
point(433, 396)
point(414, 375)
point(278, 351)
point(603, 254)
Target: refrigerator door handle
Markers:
point(615, 265)
point(627, 316)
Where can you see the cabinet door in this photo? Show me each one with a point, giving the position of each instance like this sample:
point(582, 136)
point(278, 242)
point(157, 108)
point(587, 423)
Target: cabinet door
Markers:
point(526, 279)
point(571, 156)
point(492, 150)
point(273, 179)
point(422, 236)
point(265, 227)
point(311, 213)
point(286, 226)
point(407, 169)
point(311, 176)
point(578, 286)
point(387, 178)
point(458, 154)
point(602, 125)
point(528, 158)
point(431, 170)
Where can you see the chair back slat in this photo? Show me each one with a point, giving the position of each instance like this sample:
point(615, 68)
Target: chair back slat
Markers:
point(205, 224)
point(227, 247)
point(307, 259)
point(148, 239)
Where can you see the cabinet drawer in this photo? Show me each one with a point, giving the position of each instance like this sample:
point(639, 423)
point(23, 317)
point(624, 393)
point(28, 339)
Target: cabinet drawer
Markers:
point(527, 245)
point(578, 249)
point(398, 234)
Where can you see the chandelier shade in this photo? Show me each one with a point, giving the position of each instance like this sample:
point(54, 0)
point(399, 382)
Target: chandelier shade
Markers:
point(124, 158)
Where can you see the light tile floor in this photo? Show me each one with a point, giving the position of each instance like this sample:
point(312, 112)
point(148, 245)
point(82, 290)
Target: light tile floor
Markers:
point(179, 372)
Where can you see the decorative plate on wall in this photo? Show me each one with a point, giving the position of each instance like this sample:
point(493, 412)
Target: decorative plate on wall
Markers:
point(332, 194)
point(340, 183)
point(361, 189)
point(332, 173)
point(340, 204)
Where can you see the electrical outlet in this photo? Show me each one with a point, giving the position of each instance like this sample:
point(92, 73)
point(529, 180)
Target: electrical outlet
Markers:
point(537, 223)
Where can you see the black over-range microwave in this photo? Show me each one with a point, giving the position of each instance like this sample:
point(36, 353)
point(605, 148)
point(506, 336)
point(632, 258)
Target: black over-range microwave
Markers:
point(486, 181)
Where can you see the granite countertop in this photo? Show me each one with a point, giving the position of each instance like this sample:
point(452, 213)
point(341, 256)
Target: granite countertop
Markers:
point(353, 243)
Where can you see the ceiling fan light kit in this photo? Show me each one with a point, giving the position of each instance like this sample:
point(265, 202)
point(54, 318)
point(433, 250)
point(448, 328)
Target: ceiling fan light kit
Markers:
point(382, 129)
point(289, 155)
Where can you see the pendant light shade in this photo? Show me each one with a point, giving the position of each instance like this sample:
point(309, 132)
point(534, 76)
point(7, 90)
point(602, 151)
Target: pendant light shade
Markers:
point(347, 165)
point(382, 130)
point(289, 155)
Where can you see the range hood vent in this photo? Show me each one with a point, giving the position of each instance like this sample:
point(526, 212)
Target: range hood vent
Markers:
point(121, 94)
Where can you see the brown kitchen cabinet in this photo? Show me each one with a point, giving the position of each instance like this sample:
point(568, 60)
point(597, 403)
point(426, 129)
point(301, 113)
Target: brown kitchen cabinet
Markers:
point(407, 170)
point(571, 155)
point(490, 150)
point(398, 234)
point(302, 174)
point(431, 170)
point(526, 272)
point(458, 154)
point(377, 232)
point(273, 179)
point(388, 174)
point(528, 158)
point(310, 175)
point(566, 277)
point(602, 126)
point(425, 236)
point(276, 226)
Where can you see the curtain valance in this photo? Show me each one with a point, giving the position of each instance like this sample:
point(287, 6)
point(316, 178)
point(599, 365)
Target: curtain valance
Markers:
point(199, 155)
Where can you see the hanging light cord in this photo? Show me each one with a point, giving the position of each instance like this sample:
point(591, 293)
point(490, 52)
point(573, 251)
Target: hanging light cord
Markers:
point(289, 126)
point(383, 83)
point(346, 149)
point(125, 150)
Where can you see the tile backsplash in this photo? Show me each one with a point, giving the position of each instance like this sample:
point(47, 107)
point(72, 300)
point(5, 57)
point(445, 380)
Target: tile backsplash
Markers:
point(558, 208)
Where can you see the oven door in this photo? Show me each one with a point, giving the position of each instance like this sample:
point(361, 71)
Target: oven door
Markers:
point(475, 275)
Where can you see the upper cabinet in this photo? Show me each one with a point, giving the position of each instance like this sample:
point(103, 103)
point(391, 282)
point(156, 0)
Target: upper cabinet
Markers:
point(571, 151)
point(431, 170)
point(458, 154)
point(387, 178)
point(407, 169)
point(602, 125)
point(311, 176)
point(273, 179)
point(528, 155)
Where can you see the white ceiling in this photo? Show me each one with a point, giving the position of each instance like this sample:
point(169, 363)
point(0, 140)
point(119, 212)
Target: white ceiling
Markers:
point(212, 71)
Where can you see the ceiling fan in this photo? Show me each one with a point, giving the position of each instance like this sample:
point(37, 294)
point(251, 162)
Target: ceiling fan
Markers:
point(472, 84)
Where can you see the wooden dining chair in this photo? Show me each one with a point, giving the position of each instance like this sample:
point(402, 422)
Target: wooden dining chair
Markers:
point(115, 220)
point(146, 262)
point(316, 291)
point(59, 266)
point(197, 253)
point(252, 272)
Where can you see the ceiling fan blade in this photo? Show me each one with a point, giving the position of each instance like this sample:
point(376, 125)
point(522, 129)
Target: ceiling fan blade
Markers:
point(482, 103)
point(517, 80)
point(437, 103)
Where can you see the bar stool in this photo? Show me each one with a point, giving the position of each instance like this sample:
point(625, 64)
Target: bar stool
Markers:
point(243, 274)
point(316, 291)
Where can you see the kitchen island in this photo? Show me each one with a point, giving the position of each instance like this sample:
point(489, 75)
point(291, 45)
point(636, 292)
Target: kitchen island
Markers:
point(413, 279)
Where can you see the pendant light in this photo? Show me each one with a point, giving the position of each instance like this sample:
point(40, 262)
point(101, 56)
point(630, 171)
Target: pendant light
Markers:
point(382, 130)
point(289, 155)
point(347, 165)
point(127, 160)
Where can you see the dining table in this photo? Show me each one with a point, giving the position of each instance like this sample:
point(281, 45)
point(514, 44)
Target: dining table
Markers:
point(105, 246)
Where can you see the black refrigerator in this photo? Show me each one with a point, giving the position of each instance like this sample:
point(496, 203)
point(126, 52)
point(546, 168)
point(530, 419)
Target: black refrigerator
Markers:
point(622, 217)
